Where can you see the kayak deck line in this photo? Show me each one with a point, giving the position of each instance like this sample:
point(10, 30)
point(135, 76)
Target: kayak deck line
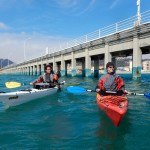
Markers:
point(29, 90)
point(114, 100)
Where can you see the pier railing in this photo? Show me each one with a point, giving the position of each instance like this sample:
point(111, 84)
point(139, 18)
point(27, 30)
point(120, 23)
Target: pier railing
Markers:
point(100, 33)
point(106, 31)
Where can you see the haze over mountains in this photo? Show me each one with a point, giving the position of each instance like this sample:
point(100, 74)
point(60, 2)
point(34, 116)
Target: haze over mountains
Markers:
point(5, 62)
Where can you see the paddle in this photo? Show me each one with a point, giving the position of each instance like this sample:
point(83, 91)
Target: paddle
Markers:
point(71, 84)
point(80, 90)
point(146, 94)
point(12, 84)
point(18, 84)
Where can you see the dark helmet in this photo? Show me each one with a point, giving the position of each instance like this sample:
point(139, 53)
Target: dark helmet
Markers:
point(48, 66)
point(109, 64)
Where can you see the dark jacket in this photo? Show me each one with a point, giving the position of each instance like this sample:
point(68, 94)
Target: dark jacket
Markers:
point(110, 82)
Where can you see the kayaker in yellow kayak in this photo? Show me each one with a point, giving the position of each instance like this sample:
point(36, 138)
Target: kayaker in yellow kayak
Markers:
point(111, 83)
point(48, 77)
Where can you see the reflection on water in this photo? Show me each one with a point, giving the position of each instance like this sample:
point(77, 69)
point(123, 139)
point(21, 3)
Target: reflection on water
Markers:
point(111, 137)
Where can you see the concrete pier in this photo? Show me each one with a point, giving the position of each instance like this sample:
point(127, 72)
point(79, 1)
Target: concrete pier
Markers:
point(132, 42)
point(137, 53)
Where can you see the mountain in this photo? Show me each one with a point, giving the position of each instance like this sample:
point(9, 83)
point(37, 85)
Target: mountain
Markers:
point(5, 62)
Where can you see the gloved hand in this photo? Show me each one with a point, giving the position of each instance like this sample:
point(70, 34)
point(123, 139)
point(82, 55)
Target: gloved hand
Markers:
point(125, 92)
point(31, 83)
point(97, 90)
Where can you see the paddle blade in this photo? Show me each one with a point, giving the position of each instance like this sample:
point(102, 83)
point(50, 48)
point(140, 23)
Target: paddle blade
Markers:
point(12, 84)
point(72, 84)
point(147, 95)
point(76, 89)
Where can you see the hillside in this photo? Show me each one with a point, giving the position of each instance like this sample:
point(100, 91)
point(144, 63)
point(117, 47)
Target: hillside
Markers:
point(5, 62)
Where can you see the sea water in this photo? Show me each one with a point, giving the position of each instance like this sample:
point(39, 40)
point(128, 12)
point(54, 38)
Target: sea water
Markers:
point(66, 121)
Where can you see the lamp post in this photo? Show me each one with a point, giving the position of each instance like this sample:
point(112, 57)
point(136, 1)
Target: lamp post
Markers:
point(25, 41)
point(138, 13)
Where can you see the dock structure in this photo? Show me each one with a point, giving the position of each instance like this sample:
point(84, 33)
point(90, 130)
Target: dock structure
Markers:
point(83, 55)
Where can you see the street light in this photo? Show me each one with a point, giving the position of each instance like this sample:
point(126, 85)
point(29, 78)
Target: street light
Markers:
point(138, 13)
point(25, 41)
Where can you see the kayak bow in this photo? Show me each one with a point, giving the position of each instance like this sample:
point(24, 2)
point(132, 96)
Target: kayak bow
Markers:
point(114, 107)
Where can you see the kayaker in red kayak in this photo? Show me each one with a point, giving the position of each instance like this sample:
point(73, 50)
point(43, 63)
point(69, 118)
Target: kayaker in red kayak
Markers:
point(111, 83)
point(48, 77)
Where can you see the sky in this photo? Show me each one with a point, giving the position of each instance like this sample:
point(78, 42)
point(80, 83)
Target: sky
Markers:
point(29, 27)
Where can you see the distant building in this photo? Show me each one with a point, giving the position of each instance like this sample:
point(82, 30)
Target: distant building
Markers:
point(146, 65)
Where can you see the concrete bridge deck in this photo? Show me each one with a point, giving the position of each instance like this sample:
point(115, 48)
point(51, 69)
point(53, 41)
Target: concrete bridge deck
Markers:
point(132, 42)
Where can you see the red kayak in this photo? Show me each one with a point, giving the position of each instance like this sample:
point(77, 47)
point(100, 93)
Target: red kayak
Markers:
point(113, 106)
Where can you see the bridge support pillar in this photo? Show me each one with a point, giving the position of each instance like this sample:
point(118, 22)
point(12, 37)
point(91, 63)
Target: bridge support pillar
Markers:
point(28, 70)
point(96, 67)
point(54, 64)
point(25, 71)
point(31, 70)
point(34, 70)
point(19, 71)
point(42, 68)
point(87, 63)
point(22, 71)
point(16, 72)
point(137, 59)
point(83, 67)
point(63, 72)
point(63, 66)
point(108, 57)
point(38, 70)
point(73, 65)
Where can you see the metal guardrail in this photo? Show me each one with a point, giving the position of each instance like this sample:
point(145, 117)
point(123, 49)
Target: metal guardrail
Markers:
point(100, 33)
point(106, 31)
